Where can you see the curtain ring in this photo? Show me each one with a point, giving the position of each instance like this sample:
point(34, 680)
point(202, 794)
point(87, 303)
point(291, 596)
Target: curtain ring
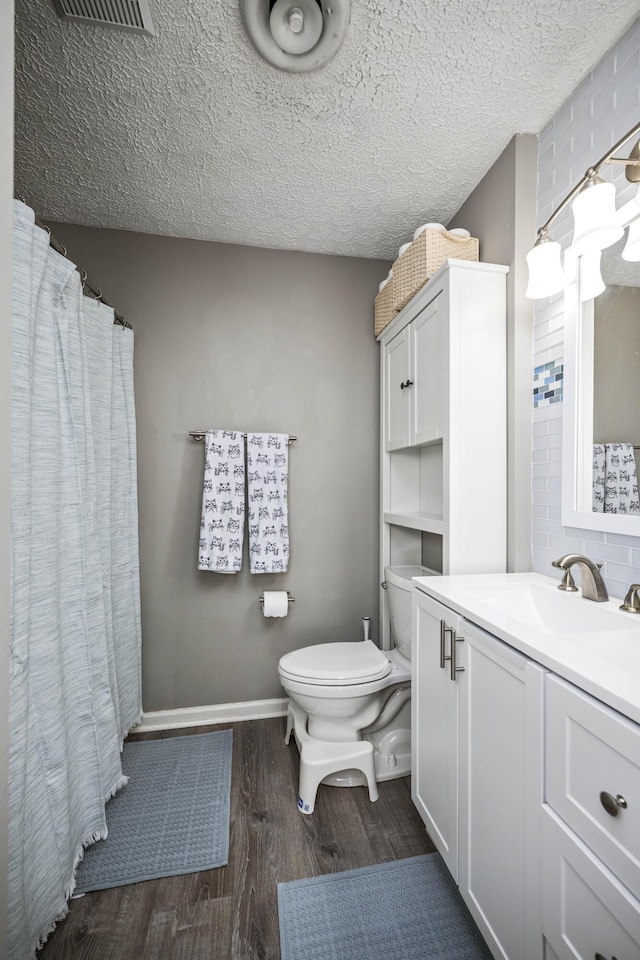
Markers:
point(98, 294)
point(83, 278)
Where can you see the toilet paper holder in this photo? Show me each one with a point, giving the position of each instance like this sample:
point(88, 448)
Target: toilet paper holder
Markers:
point(289, 598)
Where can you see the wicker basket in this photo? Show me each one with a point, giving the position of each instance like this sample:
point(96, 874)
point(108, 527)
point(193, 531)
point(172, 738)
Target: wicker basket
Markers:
point(385, 305)
point(424, 257)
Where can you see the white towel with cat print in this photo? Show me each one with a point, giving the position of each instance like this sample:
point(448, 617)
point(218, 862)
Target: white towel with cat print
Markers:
point(267, 483)
point(598, 478)
point(223, 502)
point(620, 481)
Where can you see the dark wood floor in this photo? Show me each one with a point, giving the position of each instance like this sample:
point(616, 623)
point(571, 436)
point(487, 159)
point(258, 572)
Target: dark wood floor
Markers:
point(231, 913)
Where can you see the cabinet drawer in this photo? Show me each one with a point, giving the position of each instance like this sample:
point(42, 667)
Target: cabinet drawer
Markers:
point(593, 751)
point(586, 911)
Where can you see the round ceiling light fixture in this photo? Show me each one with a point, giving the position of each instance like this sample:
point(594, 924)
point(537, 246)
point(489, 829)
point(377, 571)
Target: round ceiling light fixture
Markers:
point(296, 35)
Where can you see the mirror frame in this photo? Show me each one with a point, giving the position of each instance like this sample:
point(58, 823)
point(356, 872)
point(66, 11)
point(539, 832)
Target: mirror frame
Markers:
point(577, 414)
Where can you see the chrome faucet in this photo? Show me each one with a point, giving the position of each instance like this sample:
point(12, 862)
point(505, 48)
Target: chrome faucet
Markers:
point(593, 587)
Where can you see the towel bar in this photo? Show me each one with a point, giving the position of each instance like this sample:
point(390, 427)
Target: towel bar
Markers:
point(289, 598)
point(200, 435)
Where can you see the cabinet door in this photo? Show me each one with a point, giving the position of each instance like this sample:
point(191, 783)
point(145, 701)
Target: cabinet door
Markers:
point(587, 913)
point(593, 756)
point(434, 724)
point(427, 374)
point(397, 393)
point(501, 738)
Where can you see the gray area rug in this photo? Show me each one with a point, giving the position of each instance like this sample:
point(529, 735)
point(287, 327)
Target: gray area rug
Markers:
point(404, 910)
point(171, 818)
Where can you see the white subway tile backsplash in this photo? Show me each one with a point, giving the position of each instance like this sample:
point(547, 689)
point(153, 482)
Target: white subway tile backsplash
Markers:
point(604, 106)
point(623, 574)
point(628, 46)
point(610, 551)
point(624, 541)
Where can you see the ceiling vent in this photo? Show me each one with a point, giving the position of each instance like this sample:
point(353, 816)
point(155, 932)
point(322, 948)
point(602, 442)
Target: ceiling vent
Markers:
point(296, 35)
point(118, 14)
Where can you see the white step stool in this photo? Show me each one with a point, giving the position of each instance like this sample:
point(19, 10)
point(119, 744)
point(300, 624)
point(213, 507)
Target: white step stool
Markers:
point(319, 758)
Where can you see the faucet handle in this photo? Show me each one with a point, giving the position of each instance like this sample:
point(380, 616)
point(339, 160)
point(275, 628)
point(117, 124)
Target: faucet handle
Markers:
point(568, 583)
point(632, 600)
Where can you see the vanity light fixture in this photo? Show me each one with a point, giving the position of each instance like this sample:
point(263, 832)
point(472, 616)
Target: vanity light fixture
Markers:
point(596, 225)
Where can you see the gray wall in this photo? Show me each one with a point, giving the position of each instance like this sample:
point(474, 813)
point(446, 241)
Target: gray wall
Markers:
point(501, 211)
point(6, 233)
point(249, 339)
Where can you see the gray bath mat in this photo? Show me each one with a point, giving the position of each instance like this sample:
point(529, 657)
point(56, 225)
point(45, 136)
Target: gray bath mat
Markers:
point(171, 818)
point(405, 910)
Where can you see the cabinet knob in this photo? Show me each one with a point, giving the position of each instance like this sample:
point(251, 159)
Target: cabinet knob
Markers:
point(409, 383)
point(613, 805)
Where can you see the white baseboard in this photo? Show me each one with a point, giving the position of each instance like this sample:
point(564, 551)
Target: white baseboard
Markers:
point(214, 713)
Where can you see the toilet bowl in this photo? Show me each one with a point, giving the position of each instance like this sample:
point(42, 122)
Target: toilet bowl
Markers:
point(352, 691)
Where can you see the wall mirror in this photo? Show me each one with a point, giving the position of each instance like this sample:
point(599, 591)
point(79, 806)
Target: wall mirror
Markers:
point(602, 388)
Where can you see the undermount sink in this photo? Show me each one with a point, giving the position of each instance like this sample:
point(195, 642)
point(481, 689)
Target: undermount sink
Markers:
point(543, 607)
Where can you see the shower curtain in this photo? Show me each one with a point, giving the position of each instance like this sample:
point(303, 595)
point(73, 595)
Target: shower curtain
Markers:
point(75, 673)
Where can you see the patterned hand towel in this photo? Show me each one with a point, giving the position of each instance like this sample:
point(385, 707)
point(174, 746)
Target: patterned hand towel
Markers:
point(267, 463)
point(598, 478)
point(621, 481)
point(222, 523)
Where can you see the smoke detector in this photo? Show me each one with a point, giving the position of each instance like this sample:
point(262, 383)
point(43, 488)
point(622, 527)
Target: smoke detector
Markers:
point(131, 15)
point(296, 35)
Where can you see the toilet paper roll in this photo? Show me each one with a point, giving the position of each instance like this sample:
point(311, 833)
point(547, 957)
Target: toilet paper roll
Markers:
point(276, 603)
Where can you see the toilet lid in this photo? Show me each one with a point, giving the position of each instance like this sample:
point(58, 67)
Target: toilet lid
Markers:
point(335, 663)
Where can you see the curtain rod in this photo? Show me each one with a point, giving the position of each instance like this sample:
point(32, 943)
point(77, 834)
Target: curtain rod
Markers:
point(118, 319)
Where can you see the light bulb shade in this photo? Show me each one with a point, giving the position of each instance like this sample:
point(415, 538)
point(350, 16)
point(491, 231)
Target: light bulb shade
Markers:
point(546, 275)
point(591, 282)
point(296, 25)
point(632, 246)
point(595, 223)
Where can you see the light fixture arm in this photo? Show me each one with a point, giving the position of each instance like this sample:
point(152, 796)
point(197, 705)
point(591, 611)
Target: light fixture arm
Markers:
point(592, 173)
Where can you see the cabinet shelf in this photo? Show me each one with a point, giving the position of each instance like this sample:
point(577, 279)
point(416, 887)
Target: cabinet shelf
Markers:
point(420, 520)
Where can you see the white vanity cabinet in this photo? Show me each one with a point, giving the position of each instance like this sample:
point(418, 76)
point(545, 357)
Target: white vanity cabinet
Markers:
point(476, 775)
point(529, 783)
point(500, 793)
point(434, 723)
point(443, 426)
point(591, 824)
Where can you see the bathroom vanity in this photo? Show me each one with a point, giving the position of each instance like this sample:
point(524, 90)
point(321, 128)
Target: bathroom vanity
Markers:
point(526, 760)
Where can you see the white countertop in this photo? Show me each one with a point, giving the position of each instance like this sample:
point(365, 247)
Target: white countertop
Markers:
point(604, 664)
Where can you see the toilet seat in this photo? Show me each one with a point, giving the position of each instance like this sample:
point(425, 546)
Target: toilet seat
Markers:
point(335, 664)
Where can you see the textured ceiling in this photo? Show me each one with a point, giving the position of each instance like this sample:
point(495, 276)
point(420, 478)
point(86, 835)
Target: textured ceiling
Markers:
point(190, 133)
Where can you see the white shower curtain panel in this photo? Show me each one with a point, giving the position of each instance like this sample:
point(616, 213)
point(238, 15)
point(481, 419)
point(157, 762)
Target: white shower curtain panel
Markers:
point(75, 672)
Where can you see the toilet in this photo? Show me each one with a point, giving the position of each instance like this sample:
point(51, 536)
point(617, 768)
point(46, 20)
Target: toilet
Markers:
point(346, 692)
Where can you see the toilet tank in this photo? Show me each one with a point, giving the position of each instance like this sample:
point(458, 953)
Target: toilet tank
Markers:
point(398, 580)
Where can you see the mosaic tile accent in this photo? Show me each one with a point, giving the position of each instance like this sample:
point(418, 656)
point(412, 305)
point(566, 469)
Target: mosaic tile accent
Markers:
point(548, 382)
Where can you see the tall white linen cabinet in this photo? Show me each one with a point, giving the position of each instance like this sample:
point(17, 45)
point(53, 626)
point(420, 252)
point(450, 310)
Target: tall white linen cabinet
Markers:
point(444, 427)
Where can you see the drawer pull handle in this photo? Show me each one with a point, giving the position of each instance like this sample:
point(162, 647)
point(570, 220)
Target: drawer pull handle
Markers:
point(613, 805)
point(454, 667)
point(601, 956)
point(444, 629)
